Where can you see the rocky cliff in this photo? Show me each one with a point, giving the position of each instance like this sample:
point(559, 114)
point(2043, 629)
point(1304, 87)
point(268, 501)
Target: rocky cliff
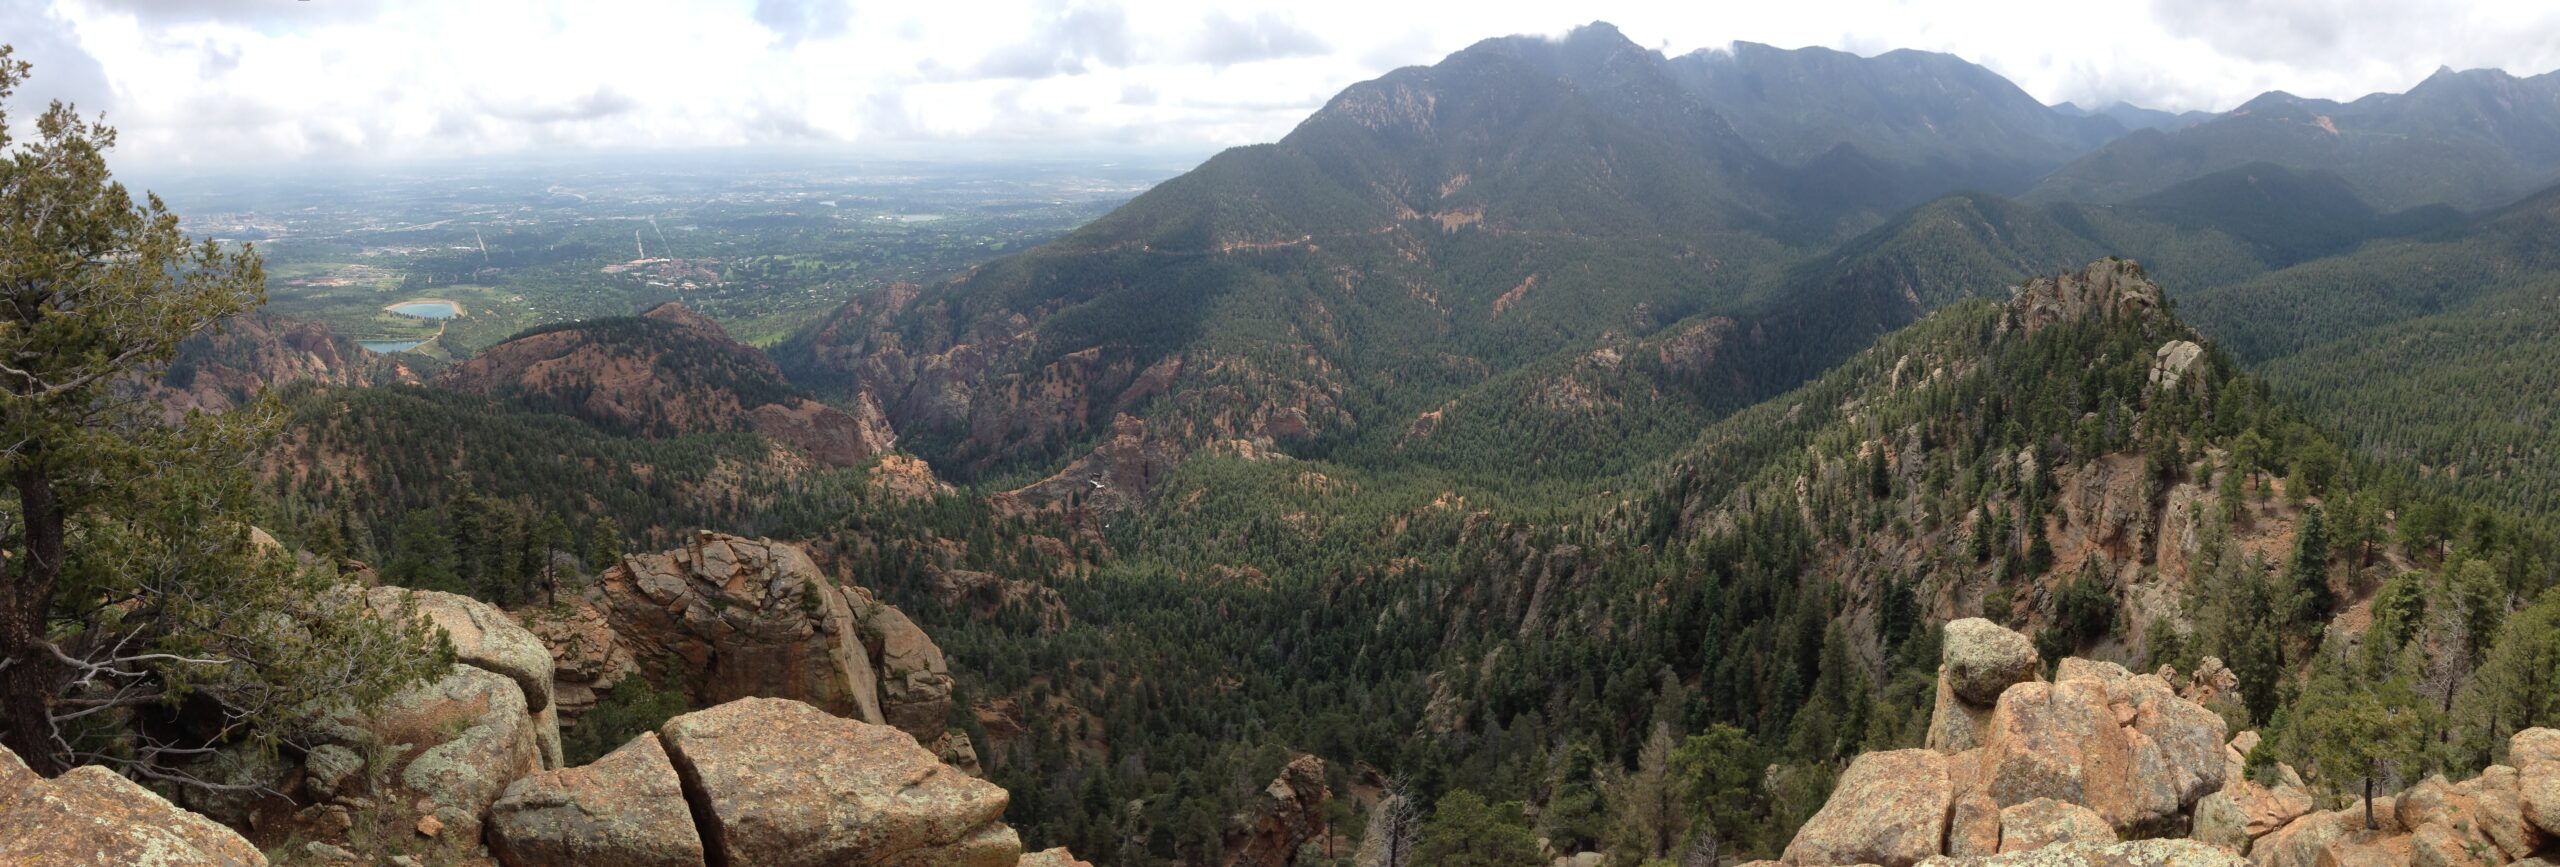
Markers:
point(2103, 766)
point(666, 373)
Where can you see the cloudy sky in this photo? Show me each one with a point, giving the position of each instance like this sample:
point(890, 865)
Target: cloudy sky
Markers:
point(213, 83)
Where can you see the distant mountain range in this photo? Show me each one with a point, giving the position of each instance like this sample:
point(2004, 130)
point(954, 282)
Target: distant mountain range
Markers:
point(1428, 233)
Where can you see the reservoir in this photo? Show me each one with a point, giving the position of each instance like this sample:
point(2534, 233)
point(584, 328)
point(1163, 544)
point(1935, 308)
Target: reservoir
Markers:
point(427, 309)
point(387, 347)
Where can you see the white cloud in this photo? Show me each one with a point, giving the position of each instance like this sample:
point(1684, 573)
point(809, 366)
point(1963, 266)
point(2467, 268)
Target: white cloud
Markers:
point(210, 82)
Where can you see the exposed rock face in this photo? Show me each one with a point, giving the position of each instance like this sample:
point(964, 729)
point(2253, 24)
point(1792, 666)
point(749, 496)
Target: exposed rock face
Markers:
point(587, 656)
point(731, 617)
point(915, 684)
point(483, 637)
point(1289, 813)
point(2173, 361)
point(765, 782)
point(488, 639)
point(2138, 853)
point(1888, 809)
point(92, 816)
point(2045, 822)
point(2126, 747)
point(2536, 753)
point(782, 784)
point(2107, 289)
point(627, 809)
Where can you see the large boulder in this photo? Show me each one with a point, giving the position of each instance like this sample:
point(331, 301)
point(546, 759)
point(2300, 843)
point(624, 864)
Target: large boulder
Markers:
point(1058, 857)
point(92, 816)
point(1981, 659)
point(1978, 660)
point(2301, 842)
point(2124, 745)
point(485, 637)
point(2046, 822)
point(626, 809)
point(1289, 812)
point(730, 618)
point(1888, 809)
point(780, 783)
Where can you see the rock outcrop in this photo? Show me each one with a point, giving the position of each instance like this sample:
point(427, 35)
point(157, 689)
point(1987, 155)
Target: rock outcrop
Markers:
point(2046, 822)
point(915, 683)
point(2138, 853)
point(2066, 768)
point(1289, 813)
point(767, 782)
point(784, 784)
point(730, 618)
point(92, 816)
point(2096, 755)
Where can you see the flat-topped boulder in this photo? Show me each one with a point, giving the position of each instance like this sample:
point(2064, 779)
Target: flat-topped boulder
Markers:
point(92, 816)
point(626, 809)
point(783, 784)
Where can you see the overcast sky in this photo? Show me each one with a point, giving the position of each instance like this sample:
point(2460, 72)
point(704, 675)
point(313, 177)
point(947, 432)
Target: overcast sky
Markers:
point(225, 82)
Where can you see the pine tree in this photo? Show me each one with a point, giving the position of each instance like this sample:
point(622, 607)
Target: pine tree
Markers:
point(1717, 773)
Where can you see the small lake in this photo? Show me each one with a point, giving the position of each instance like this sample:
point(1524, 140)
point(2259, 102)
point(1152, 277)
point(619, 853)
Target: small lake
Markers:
point(427, 309)
point(387, 347)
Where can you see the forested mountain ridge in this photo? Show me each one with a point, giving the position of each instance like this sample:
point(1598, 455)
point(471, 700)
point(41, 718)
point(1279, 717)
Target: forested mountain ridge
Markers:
point(1422, 232)
point(2473, 139)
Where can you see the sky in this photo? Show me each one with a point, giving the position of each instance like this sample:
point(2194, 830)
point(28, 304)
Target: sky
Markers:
point(222, 83)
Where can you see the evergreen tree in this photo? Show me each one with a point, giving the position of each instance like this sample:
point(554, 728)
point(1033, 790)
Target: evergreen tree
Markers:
point(1717, 773)
point(1464, 831)
point(128, 575)
point(2353, 732)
